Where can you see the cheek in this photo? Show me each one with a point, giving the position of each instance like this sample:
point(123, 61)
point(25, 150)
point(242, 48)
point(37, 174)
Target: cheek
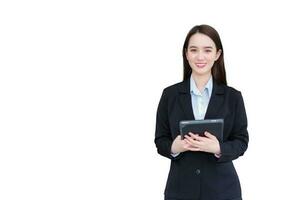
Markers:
point(211, 58)
point(189, 56)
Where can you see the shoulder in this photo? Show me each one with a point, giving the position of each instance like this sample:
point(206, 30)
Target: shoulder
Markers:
point(176, 88)
point(232, 92)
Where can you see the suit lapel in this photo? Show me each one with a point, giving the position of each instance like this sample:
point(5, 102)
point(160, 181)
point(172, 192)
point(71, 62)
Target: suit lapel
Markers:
point(215, 102)
point(185, 99)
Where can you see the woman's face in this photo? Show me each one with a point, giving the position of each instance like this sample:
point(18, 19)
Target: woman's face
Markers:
point(201, 54)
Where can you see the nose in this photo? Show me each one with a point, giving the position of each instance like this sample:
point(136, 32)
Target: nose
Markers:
point(200, 56)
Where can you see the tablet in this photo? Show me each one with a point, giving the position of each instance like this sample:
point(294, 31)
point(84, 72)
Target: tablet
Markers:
point(214, 126)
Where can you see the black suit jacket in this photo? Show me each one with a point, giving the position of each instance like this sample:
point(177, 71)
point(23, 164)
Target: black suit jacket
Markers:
point(200, 175)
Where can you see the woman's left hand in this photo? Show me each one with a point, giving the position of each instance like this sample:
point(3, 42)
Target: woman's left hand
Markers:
point(209, 143)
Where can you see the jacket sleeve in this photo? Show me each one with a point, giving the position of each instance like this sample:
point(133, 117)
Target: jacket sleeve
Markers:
point(237, 142)
point(163, 138)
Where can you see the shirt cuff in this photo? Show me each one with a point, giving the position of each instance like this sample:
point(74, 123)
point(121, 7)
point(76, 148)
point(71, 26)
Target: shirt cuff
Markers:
point(218, 155)
point(174, 154)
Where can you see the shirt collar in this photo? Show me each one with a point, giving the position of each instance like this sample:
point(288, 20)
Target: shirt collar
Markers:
point(207, 87)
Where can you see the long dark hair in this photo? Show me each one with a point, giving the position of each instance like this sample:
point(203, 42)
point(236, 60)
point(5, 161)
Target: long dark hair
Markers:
point(218, 69)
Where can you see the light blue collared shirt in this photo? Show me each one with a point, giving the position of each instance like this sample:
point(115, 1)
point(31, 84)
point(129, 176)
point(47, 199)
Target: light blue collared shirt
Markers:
point(200, 99)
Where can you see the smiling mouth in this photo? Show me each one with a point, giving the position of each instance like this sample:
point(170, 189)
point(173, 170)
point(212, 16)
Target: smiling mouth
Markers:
point(200, 65)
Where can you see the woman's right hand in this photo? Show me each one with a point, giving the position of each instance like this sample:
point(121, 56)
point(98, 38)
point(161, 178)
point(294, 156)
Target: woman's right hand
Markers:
point(179, 145)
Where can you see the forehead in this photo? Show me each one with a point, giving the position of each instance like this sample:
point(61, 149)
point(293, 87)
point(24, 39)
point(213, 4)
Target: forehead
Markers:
point(200, 40)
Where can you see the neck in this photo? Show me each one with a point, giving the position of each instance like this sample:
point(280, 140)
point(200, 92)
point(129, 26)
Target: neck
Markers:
point(201, 80)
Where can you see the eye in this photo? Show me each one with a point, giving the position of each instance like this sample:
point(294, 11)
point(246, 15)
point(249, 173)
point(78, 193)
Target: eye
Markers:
point(207, 51)
point(193, 50)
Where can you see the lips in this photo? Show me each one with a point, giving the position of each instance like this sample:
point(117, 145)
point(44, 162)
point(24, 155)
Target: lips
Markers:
point(200, 65)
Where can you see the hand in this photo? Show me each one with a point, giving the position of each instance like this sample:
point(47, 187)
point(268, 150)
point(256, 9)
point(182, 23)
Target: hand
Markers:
point(208, 143)
point(179, 145)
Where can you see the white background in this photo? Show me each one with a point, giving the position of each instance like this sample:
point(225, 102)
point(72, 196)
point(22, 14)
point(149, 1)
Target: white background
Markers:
point(80, 83)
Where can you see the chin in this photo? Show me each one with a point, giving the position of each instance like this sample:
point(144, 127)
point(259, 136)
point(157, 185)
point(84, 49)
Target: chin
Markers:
point(201, 72)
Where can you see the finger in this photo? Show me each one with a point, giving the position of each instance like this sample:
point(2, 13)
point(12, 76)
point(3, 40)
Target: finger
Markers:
point(193, 149)
point(194, 141)
point(209, 135)
point(187, 146)
point(203, 139)
point(191, 142)
point(187, 136)
point(188, 141)
point(192, 134)
point(191, 139)
point(195, 136)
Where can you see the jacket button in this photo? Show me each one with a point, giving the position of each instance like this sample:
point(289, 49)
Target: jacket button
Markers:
point(198, 171)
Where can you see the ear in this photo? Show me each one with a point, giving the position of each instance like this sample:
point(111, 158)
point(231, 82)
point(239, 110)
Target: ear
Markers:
point(218, 54)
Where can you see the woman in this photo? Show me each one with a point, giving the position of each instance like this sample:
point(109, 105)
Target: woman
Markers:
point(201, 167)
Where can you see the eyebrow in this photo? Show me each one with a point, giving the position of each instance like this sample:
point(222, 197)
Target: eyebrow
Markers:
point(206, 47)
